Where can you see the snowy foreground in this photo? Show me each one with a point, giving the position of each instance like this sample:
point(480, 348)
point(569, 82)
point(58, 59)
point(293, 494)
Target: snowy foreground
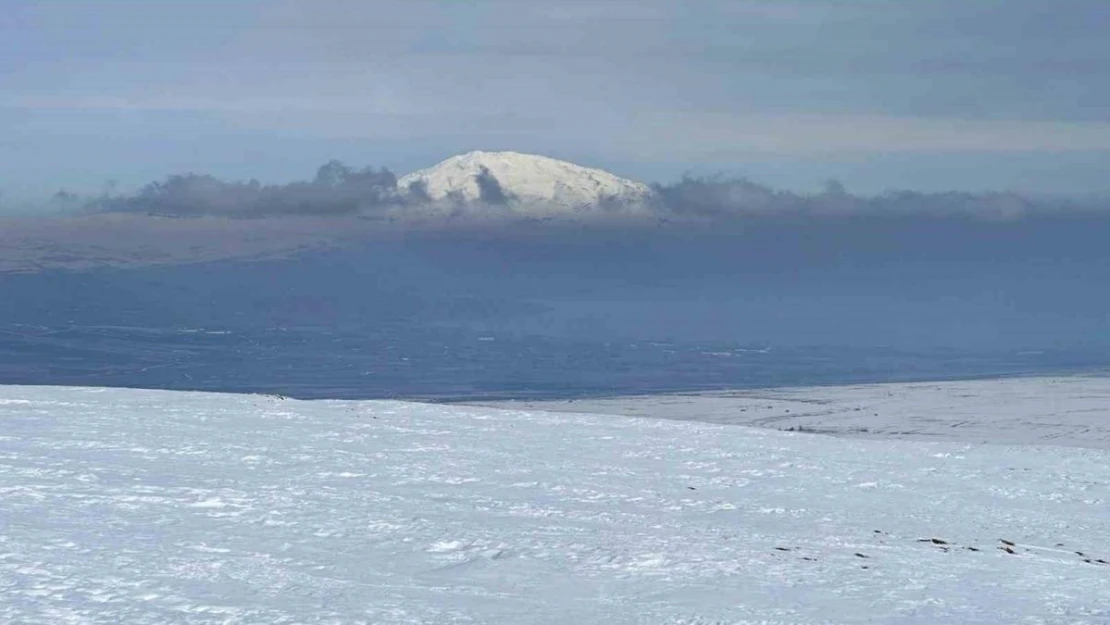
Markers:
point(121, 506)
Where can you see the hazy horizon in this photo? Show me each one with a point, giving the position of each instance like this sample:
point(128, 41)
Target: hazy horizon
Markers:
point(879, 94)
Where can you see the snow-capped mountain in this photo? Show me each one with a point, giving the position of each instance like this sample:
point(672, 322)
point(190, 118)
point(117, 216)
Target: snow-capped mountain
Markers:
point(527, 184)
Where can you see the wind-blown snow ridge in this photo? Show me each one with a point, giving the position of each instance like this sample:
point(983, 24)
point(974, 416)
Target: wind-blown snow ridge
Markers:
point(534, 184)
point(148, 507)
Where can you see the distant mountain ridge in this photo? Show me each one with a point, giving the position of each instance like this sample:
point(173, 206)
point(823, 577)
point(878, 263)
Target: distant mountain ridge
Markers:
point(526, 184)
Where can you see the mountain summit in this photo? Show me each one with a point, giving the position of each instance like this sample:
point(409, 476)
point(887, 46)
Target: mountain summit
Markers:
point(526, 184)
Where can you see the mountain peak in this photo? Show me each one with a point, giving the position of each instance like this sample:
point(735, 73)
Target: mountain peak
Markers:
point(527, 184)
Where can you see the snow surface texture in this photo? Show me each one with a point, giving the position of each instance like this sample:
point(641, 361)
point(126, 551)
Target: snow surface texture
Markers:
point(1071, 411)
point(536, 185)
point(123, 506)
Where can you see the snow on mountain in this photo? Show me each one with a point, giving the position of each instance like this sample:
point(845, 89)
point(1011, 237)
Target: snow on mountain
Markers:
point(143, 507)
point(533, 185)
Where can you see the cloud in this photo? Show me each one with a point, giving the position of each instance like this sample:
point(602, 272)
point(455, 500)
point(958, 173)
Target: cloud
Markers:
point(723, 199)
point(339, 190)
point(336, 190)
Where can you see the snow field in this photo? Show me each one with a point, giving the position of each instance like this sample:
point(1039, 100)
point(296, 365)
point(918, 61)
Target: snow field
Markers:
point(125, 506)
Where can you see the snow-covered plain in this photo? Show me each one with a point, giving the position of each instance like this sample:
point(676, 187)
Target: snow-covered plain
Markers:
point(126, 506)
point(1072, 411)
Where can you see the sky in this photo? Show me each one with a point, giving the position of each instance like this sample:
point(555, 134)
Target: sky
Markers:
point(880, 94)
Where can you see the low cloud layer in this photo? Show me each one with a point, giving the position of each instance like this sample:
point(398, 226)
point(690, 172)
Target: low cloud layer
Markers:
point(340, 190)
point(724, 198)
point(335, 190)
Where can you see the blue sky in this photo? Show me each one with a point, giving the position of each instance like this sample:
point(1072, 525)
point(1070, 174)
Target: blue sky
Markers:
point(944, 94)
